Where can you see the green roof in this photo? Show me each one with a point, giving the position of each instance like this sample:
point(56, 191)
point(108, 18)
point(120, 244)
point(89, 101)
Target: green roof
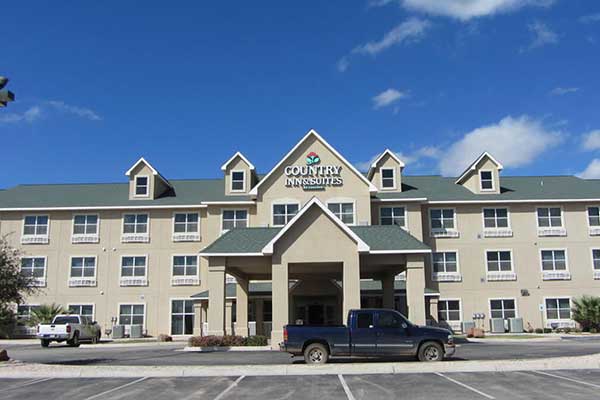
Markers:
point(252, 240)
point(264, 288)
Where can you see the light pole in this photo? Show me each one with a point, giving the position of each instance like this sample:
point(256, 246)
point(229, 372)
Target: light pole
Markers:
point(6, 96)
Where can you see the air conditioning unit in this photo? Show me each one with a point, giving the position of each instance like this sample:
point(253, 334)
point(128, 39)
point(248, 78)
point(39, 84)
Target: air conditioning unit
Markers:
point(515, 325)
point(135, 331)
point(118, 331)
point(466, 325)
point(497, 325)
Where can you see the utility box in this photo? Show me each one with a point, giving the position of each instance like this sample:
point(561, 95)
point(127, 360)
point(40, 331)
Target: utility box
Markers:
point(466, 325)
point(135, 331)
point(118, 332)
point(515, 325)
point(497, 325)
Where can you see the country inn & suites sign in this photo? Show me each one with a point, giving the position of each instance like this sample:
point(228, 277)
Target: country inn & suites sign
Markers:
point(313, 176)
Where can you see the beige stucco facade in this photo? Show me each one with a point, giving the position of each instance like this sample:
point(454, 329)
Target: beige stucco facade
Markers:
point(317, 269)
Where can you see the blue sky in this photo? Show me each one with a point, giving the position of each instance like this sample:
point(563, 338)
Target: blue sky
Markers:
point(187, 84)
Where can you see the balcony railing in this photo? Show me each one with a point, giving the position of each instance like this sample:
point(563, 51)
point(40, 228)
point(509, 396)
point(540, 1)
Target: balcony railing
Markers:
point(186, 237)
point(497, 232)
point(82, 282)
point(556, 275)
point(597, 274)
point(552, 231)
point(501, 276)
point(594, 230)
point(133, 281)
point(185, 281)
point(79, 238)
point(38, 282)
point(444, 233)
point(35, 239)
point(447, 277)
point(135, 238)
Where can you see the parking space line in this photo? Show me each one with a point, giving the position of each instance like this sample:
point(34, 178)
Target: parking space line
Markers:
point(117, 388)
point(233, 384)
point(346, 388)
point(487, 396)
point(568, 379)
point(28, 383)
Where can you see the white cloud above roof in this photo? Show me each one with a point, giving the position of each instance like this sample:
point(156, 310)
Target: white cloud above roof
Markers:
point(30, 115)
point(515, 142)
point(592, 171)
point(591, 140)
point(561, 91)
point(542, 35)
point(388, 97)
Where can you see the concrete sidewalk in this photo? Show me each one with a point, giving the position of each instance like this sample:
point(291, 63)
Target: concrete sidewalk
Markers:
point(22, 370)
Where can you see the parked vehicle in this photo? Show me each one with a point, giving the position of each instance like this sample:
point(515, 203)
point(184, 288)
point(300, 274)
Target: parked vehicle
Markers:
point(369, 333)
point(70, 328)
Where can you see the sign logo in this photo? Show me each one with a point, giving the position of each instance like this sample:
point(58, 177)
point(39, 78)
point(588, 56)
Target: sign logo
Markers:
point(312, 158)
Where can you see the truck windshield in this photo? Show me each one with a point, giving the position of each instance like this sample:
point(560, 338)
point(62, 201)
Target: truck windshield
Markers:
point(65, 320)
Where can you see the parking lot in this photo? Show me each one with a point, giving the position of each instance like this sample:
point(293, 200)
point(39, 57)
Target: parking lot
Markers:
point(581, 384)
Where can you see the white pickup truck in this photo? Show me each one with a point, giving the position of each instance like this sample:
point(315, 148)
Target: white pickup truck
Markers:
point(70, 328)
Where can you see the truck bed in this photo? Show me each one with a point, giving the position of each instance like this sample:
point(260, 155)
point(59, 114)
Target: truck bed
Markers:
point(338, 337)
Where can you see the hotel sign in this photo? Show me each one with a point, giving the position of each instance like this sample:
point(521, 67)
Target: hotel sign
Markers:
point(313, 175)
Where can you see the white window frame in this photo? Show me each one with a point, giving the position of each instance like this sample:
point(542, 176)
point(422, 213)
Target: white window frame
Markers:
point(35, 238)
point(186, 236)
point(30, 305)
point(594, 230)
point(496, 232)
point(562, 322)
point(38, 282)
point(595, 271)
point(231, 189)
point(171, 316)
point(493, 188)
point(133, 280)
point(551, 230)
point(84, 304)
point(555, 274)
point(134, 237)
point(135, 186)
point(500, 275)
point(443, 232)
point(455, 325)
point(185, 280)
point(83, 281)
point(342, 200)
point(284, 203)
point(503, 308)
point(393, 177)
point(128, 327)
point(446, 276)
point(223, 230)
point(85, 237)
point(405, 226)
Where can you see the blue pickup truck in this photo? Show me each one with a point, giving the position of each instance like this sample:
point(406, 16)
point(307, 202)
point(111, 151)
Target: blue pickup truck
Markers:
point(369, 333)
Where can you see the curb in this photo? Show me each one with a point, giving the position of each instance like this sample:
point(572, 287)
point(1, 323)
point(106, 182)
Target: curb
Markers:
point(222, 349)
point(21, 370)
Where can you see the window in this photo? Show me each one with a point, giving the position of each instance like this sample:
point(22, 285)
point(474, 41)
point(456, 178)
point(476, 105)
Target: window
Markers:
point(131, 314)
point(596, 263)
point(182, 317)
point(486, 179)
point(392, 216)
point(344, 211)
point(283, 213)
point(449, 311)
point(133, 271)
point(83, 271)
point(549, 217)
point(85, 229)
point(503, 308)
point(388, 178)
point(34, 267)
point(238, 181)
point(235, 219)
point(268, 311)
point(499, 261)
point(135, 223)
point(186, 227)
point(558, 308)
point(85, 310)
point(495, 218)
point(445, 267)
point(443, 223)
point(554, 264)
point(389, 320)
point(142, 186)
point(594, 220)
point(35, 229)
point(185, 270)
point(24, 312)
point(364, 320)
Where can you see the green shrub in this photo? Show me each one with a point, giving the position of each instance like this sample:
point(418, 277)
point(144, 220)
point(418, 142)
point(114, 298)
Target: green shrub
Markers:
point(232, 340)
point(539, 330)
point(593, 330)
point(45, 313)
point(216, 341)
point(547, 330)
point(257, 340)
point(586, 312)
point(164, 338)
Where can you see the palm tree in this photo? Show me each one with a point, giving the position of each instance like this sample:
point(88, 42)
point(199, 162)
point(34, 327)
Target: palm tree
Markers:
point(45, 313)
point(587, 312)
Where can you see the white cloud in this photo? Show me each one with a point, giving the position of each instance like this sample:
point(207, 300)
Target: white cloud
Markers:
point(592, 171)
point(561, 91)
point(590, 19)
point(464, 9)
point(411, 30)
point(78, 111)
point(388, 97)
point(32, 114)
point(513, 141)
point(409, 158)
point(591, 140)
point(542, 35)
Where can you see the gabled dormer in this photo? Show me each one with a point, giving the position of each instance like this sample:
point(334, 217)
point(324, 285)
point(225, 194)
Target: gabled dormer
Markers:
point(482, 176)
point(145, 182)
point(386, 172)
point(240, 175)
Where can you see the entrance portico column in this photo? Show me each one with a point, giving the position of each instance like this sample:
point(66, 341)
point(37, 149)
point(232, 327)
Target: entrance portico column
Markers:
point(216, 296)
point(387, 283)
point(241, 307)
point(433, 308)
point(415, 288)
point(197, 319)
point(351, 284)
point(280, 301)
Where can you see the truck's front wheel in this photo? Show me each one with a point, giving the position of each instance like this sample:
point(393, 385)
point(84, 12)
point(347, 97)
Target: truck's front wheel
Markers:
point(316, 353)
point(431, 351)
